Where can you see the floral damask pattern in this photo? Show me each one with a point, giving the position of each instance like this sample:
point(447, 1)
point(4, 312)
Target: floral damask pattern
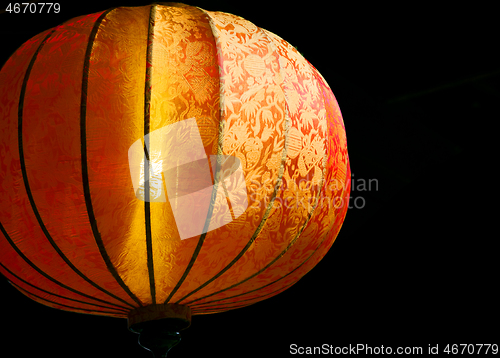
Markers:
point(310, 236)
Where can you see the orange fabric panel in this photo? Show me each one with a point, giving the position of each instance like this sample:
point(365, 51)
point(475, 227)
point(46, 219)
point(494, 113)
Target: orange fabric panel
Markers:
point(47, 199)
point(12, 193)
point(51, 132)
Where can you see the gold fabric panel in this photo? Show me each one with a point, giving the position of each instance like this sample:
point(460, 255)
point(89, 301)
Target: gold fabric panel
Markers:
point(185, 84)
point(115, 120)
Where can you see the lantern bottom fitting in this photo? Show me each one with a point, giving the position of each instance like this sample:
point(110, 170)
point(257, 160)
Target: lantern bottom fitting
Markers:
point(172, 316)
point(159, 325)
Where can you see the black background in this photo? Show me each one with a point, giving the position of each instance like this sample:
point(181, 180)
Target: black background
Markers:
point(418, 86)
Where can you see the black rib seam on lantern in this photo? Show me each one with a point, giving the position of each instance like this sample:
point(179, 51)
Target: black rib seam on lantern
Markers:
point(194, 306)
point(27, 293)
point(202, 307)
point(207, 221)
point(85, 174)
point(147, 121)
point(124, 310)
point(266, 213)
point(262, 287)
point(30, 195)
point(216, 176)
point(37, 269)
point(269, 284)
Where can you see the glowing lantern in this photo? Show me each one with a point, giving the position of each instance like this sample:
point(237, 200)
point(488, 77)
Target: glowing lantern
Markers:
point(116, 195)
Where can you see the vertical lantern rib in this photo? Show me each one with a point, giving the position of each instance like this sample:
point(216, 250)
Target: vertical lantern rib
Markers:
point(266, 213)
point(209, 215)
point(216, 173)
point(125, 310)
point(25, 174)
point(85, 174)
point(147, 113)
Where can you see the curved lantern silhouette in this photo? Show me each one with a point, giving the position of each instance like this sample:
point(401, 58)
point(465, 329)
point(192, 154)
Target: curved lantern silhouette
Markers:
point(163, 161)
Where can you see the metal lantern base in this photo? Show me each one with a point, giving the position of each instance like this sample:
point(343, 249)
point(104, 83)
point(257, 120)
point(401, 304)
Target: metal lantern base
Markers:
point(158, 326)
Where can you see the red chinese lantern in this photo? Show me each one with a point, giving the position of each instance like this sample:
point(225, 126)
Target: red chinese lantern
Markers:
point(164, 161)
